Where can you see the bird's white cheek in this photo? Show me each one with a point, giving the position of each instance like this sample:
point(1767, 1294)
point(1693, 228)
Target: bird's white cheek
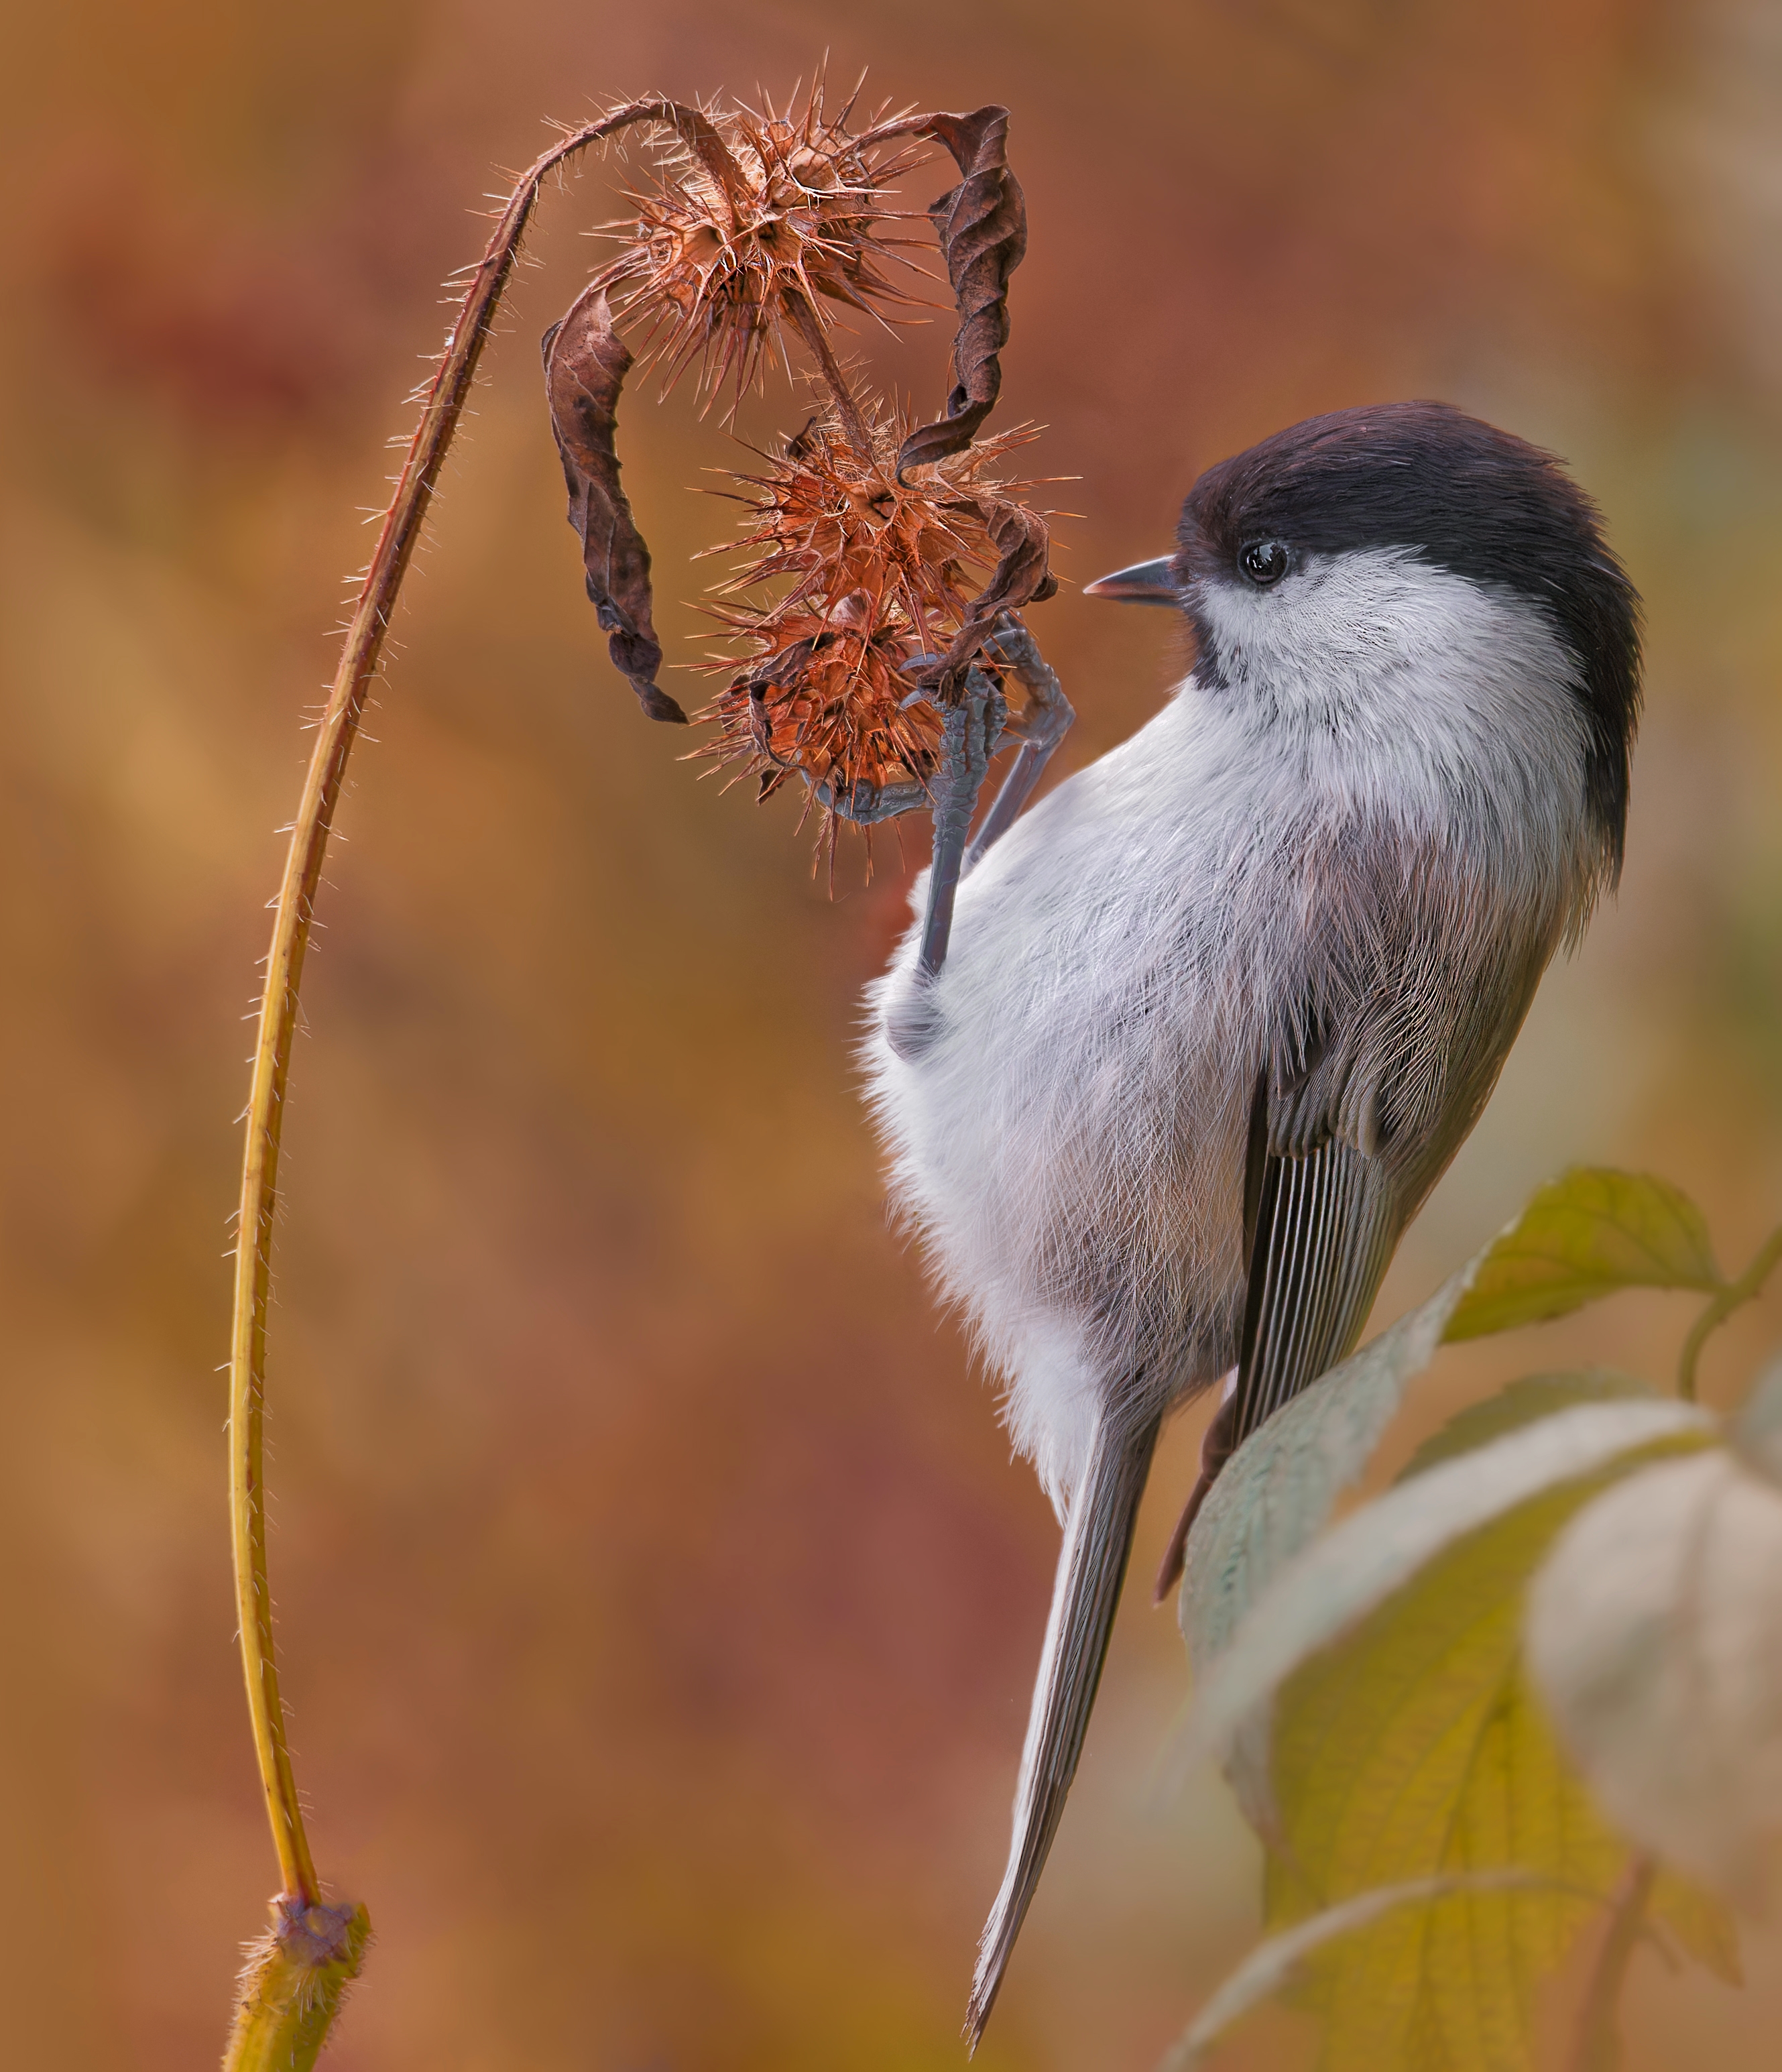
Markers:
point(1377, 662)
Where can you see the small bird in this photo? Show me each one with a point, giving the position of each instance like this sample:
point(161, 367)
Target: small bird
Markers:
point(1165, 1075)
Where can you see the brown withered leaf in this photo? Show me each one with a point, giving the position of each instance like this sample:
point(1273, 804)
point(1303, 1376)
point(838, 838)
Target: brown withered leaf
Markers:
point(585, 367)
point(982, 224)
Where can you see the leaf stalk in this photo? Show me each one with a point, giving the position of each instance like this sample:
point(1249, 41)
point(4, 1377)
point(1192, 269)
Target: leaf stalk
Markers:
point(1734, 1295)
point(1597, 2047)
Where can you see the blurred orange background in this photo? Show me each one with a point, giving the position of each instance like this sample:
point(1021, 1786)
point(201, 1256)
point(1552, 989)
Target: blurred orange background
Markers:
point(658, 1602)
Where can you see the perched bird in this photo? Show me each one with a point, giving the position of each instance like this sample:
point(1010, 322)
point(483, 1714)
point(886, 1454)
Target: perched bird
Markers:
point(1210, 1020)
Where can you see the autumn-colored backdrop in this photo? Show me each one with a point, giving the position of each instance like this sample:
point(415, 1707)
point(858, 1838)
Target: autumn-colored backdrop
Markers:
point(658, 1603)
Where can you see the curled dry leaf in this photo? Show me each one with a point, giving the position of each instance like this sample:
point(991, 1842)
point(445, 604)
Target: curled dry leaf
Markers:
point(585, 364)
point(1023, 576)
point(982, 224)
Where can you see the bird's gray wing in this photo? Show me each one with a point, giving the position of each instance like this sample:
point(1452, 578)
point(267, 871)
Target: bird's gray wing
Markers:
point(1356, 1114)
point(1348, 1131)
point(1322, 1218)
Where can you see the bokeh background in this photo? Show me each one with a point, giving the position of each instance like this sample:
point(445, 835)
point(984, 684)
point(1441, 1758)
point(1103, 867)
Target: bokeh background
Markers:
point(657, 1598)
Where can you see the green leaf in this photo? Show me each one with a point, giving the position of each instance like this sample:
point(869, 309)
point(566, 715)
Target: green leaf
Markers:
point(1269, 1972)
point(1277, 1491)
point(1654, 1634)
point(1701, 1926)
point(1520, 1404)
point(1367, 1694)
point(1360, 1562)
point(1413, 1749)
point(1586, 1235)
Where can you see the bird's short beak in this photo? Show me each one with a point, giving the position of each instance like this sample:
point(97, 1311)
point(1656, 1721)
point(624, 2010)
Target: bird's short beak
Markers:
point(1145, 583)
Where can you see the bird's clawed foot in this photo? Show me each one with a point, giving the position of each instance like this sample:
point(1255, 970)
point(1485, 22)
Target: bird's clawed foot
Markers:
point(1043, 725)
point(973, 730)
point(970, 731)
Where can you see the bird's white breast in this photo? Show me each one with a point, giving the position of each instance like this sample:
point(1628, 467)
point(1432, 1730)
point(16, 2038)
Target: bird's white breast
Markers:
point(1070, 1143)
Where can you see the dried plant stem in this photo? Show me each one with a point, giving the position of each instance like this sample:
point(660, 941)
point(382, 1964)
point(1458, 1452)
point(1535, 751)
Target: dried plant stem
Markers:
point(853, 424)
point(1734, 1295)
point(1597, 2047)
point(443, 404)
point(292, 1986)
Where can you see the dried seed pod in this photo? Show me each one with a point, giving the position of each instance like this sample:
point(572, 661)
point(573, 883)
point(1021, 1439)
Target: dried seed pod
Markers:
point(891, 548)
point(752, 224)
point(832, 703)
point(881, 575)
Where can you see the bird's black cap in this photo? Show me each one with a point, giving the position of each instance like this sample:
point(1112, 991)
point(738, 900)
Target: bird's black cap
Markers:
point(1463, 496)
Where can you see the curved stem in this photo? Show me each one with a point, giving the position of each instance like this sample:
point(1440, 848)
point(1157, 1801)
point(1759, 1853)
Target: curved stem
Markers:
point(441, 407)
point(810, 330)
point(1598, 2047)
point(1734, 1295)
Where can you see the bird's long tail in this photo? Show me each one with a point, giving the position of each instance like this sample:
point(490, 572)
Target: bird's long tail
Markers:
point(1091, 1567)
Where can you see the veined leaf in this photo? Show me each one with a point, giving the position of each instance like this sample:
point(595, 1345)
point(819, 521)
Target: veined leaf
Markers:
point(1521, 1403)
point(1413, 1749)
point(1269, 1970)
point(1364, 1560)
point(1699, 1924)
point(1586, 1235)
point(1654, 1634)
point(1583, 1236)
point(1277, 1491)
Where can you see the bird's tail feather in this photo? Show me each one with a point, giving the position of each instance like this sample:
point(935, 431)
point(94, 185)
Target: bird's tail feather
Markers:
point(1091, 1567)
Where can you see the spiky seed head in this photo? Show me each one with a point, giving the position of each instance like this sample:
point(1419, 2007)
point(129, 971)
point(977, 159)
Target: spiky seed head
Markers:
point(867, 576)
point(783, 208)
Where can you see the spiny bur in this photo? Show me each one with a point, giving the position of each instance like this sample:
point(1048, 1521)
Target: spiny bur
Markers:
point(877, 552)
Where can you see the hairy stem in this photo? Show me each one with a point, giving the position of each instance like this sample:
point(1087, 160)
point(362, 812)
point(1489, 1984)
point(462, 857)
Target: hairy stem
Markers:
point(1597, 2046)
point(810, 330)
point(442, 405)
point(1734, 1295)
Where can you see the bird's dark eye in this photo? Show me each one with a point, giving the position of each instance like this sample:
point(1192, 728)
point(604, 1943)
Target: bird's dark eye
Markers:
point(1264, 561)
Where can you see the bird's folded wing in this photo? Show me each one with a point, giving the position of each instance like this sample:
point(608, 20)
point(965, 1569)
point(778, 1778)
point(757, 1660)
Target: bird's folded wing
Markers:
point(1325, 1219)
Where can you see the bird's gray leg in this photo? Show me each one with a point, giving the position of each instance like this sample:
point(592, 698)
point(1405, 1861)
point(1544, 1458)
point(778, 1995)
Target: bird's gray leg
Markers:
point(1047, 721)
point(971, 729)
point(970, 732)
